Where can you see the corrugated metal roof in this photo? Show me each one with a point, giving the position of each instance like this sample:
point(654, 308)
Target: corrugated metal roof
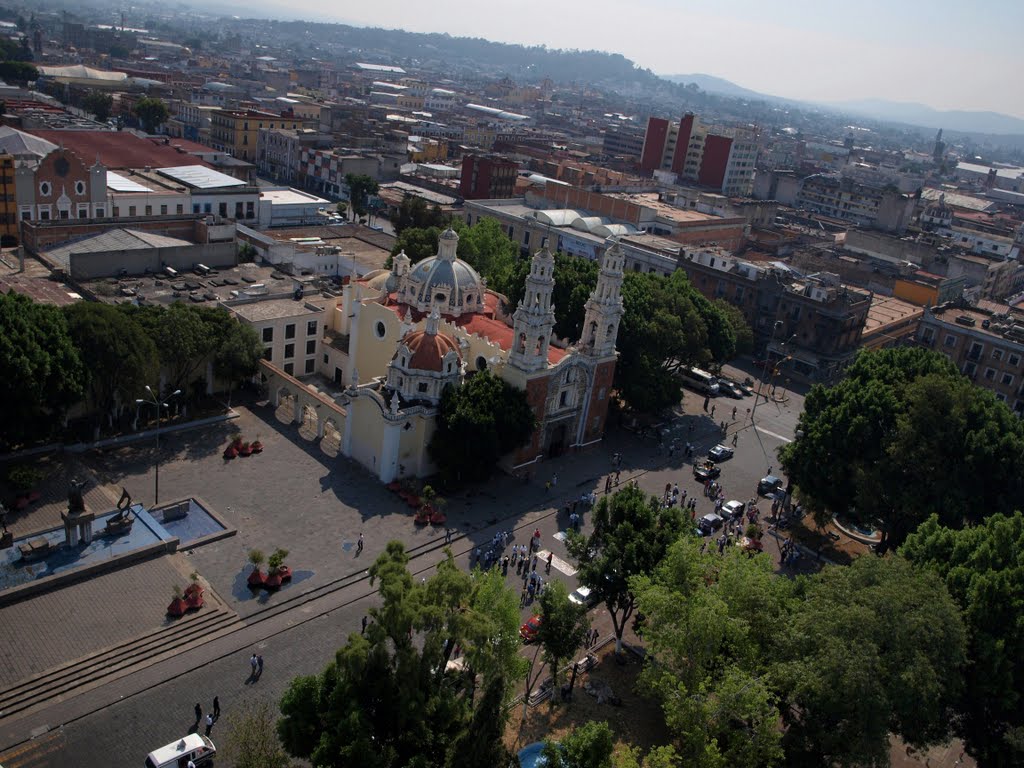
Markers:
point(119, 183)
point(201, 178)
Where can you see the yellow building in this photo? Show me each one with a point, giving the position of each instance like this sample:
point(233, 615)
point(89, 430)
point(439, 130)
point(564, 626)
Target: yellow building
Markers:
point(398, 337)
point(236, 132)
point(424, 150)
point(8, 202)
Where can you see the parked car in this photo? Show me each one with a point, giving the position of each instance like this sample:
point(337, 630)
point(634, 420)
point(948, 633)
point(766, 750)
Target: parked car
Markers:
point(530, 629)
point(706, 470)
point(721, 452)
point(730, 388)
point(769, 484)
point(583, 596)
point(733, 509)
point(709, 523)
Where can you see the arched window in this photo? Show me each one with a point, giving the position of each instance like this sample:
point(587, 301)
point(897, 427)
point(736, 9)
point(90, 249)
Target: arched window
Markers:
point(540, 345)
point(593, 332)
point(522, 343)
point(611, 331)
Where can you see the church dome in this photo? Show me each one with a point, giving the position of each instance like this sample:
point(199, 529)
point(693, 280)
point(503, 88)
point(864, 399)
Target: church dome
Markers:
point(427, 351)
point(444, 281)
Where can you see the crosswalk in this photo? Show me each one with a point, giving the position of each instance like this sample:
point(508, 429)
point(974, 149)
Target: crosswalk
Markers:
point(556, 562)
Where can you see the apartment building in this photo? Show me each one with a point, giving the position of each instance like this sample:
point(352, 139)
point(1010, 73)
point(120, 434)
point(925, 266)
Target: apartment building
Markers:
point(720, 158)
point(863, 204)
point(237, 132)
point(279, 151)
point(487, 177)
point(987, 345)
point(8, 202)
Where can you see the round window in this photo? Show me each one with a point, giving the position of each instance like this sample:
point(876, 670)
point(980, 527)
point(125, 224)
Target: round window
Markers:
point(45, 189)
point(380, 329)
point(79, 187)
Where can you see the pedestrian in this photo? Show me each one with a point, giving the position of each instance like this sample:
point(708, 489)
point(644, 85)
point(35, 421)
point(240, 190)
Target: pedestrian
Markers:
point(363, 630)
point(671, 449)
point(618, 474)
point(554, 479)
point(253, 662)
point(447, 535)
point(734, 413)
point(259, 666)
point(551, 556)
point(706, 401)
point(199, 713)
point(608, 484)
point(216, 708)
point(209, 724)
point(359, 544)
point(713, 410)
point(535, 558)
point(735, 439)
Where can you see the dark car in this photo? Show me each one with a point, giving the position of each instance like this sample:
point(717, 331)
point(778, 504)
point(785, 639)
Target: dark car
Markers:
point(530, 629)
point(706, 470)
point(769, 485)
point(731, 389)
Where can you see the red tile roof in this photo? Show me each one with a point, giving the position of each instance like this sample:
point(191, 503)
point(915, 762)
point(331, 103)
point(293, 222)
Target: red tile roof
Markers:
point(119, 149)
point(428, 350)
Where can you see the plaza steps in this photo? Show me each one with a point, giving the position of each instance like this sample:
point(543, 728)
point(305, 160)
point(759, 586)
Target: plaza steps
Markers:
point(117, 661)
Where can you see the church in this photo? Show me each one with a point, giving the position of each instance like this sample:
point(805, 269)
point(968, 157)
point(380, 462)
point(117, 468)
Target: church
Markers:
point(415, 329)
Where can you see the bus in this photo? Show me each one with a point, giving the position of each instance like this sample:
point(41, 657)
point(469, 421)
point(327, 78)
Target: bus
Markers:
point(699, 381)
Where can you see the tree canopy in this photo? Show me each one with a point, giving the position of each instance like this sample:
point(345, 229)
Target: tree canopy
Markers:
point(414, 213)
point(391, 698)
point(590, 746)
point(99, 103)
point(152, 113)
point(360, 188)
point(632, 533)
point(983, 568)
point(903, 436)
point(843, 658)
point(667, 324)
point(41, 370)
point(562, 627)
point(479, 422)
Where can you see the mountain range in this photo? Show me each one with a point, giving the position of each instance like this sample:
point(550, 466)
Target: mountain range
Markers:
point(911, 113)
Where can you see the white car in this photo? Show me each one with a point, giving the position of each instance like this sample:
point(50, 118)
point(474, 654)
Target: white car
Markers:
point(732, 509)
point(583, 596)
point(721, 452)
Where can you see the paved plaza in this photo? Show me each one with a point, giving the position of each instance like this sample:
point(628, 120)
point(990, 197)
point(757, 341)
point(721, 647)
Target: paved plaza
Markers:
point(299, 497)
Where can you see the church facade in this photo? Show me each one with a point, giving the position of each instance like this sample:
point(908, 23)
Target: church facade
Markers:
point(408, 332)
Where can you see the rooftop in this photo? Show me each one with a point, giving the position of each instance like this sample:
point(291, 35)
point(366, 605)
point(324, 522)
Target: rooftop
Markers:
point(289, 196)
point(262, 310)
point(201, 177)
point(119, 149)
point(888, 310)
point(111, 240)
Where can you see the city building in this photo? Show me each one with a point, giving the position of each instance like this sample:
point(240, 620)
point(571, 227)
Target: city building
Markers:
point(721, 158)
point(487, 177)
point(290, 327)
point(279, 152)
point(986, 344)
point(867, 205)
point(237, 131)
point(8, 203)
point(398, 337)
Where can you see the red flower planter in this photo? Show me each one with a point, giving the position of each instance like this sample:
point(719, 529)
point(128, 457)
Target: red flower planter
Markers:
point(422, 516)
point(285, 573)
point(394, 486)
point(245, 450)
point(256, 446)
point(273, 580)
point(230, 452)
point(177, 608)
point(256, 579)
point(195, 601)
point(437, 517)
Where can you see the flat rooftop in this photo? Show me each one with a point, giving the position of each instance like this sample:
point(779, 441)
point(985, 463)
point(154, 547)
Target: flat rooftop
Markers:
point(291, 197)
point(888, 310)
point(663, 209)
point(261, 310)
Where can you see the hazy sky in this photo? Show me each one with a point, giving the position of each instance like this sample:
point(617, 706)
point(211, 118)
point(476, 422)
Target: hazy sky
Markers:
point(949, 54)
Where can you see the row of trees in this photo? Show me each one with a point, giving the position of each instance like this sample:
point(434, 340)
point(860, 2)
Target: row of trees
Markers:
point(104, 355)
point(751, 669)
point(667, 323)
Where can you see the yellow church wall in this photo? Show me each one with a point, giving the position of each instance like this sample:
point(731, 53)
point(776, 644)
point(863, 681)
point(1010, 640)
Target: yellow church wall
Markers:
point(413, 455)
point(367, 432)
point(478, 347)
point(379, 331)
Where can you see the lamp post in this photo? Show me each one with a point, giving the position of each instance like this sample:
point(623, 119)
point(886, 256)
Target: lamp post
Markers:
point(764, 372)
point(159, 405)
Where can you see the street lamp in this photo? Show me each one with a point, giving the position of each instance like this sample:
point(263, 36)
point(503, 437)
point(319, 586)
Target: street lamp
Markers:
point(159, 404)
point(764, 372)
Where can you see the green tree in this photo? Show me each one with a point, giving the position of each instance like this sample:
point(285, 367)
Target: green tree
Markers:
point(667, 324)
point(18, 72)
point(390, 698)
point(886, 446)
point(121, 358)
point(41, 370)
point(873, 649)
point(741, 329)
point(479, 422)
point(99, 104)
point(562, 627)
point(418, 244)
point(713, 624)
point(632, 533)
point(575, 280)
point(251, 740)
point(413, 212)
point(152, 113)
point(239, 352)
point(983, 568)
point(589, 746)
point(360, 188)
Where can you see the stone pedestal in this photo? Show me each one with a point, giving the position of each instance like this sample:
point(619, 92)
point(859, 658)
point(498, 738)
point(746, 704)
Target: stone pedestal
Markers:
point(77, 527)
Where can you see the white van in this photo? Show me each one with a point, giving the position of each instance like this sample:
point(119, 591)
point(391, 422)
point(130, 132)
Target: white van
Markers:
point(699, 380)
point(199, 749)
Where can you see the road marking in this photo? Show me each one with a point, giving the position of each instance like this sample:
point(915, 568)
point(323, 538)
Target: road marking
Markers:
point(36, 752)
point(772, 434)
point(556, 562)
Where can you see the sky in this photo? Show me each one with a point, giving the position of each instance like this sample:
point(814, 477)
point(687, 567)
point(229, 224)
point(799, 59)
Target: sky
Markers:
point(948, 54)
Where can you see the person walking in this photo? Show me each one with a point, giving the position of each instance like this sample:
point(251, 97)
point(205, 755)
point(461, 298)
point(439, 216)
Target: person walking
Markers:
point(253, 663)
point(447, 535)
point(359, 544)
point(363, 630)
point(216, 708)
point(199, 713)
point(713, 410)
point(209, 724)
point(735, 439)
point(734, 412)
point(551, 556)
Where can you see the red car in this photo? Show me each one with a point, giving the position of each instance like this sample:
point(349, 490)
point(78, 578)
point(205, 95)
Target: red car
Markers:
point(530, 629)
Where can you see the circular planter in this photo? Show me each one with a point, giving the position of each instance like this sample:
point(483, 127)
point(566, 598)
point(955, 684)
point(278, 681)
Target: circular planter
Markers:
point(285, 573)
point(256, 446)
point(273, 580)
point(230, 452)
point(256, 579)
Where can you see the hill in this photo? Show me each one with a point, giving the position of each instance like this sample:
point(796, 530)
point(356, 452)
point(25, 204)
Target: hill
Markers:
point(718, 85)
point(965, 121)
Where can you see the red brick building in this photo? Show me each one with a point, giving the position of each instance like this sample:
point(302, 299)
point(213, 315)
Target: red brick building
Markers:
point(487, 177)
